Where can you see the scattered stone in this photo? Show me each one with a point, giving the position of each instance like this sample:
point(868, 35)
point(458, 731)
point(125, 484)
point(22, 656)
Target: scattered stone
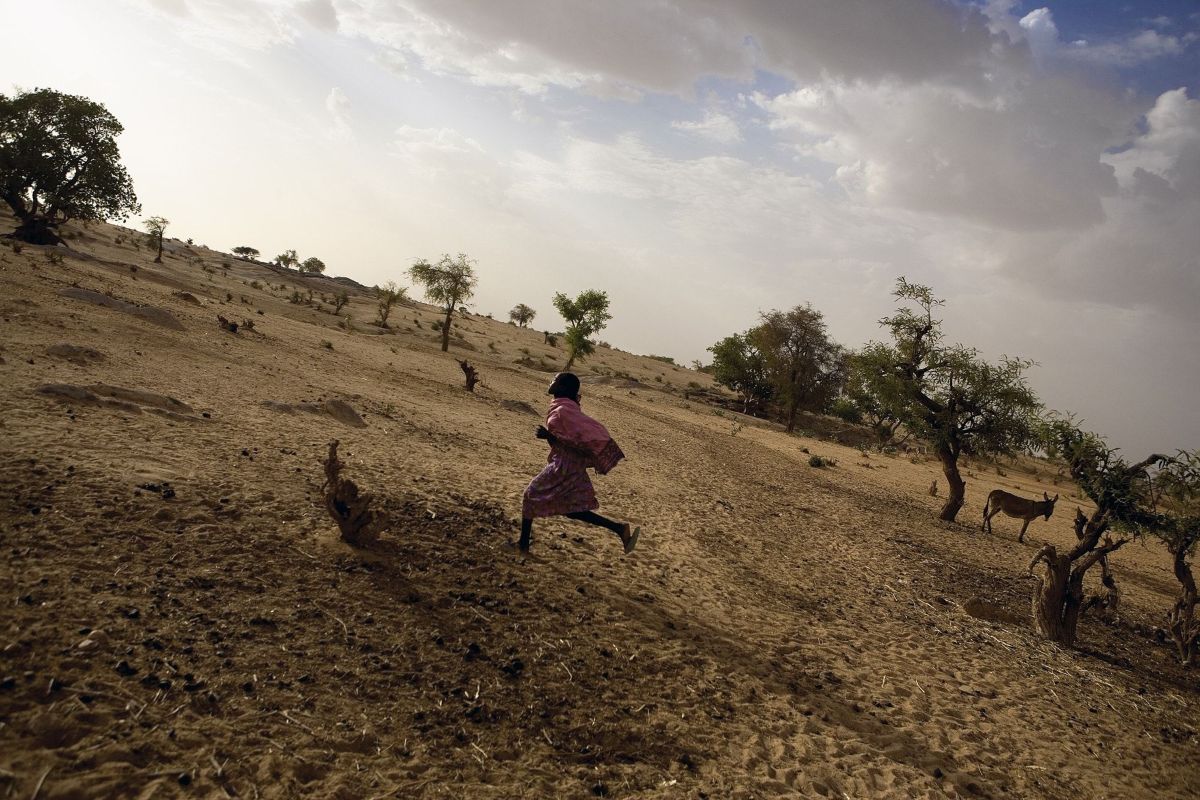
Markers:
point(76, 354)
point(187, 297)
point(148, 313)
point(125, 669)
point(518, 406)
point(344, 413)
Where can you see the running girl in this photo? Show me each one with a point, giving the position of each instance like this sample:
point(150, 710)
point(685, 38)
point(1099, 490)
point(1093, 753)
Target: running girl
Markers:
point(563, 488)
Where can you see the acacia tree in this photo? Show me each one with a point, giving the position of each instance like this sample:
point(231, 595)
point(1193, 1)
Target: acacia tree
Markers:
point(313, 264)
point(157, 227)
point(739, 366)
point(864, 387)
point(387, 296)
point(1178, 485)
point(287, 258)
point(246, 252)
point(450, 283)
point(585, 316)
point(522, 314)
point(947, 393)
point(340, 300)
point(805, 368)
point(59, 161)
point(1124, 498)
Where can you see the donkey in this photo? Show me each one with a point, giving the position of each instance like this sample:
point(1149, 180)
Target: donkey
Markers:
point(1000, 500)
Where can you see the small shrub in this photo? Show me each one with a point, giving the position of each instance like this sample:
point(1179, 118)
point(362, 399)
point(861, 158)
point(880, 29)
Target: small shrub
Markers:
point(436, 325)
point(328, 345)
point(818, 462)
point(255, 285)
point(54, 258)
point(229, 297)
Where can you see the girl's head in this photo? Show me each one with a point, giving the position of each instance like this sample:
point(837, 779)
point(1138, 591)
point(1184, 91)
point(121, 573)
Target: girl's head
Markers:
point(565, 384)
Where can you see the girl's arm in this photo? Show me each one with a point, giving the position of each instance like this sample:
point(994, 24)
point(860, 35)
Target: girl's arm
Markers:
point(543, 433)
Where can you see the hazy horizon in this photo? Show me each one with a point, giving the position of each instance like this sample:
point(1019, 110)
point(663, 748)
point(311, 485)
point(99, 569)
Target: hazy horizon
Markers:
point(1037, 164)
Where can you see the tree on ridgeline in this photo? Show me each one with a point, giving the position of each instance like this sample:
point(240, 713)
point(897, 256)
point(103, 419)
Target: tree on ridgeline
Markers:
point(805, 368)
point(1125, 501)
point(947, 393)
point(739, 366)
point(1178, 487)
point(522, 314)
point(585, 316)
point(312, 265)
point(157, 228)
point(248, 253)
point(58, 162)
point(387, 296)
point(450, 283)
point(287, 258)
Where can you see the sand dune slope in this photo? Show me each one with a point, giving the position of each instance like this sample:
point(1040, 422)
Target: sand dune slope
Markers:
point(181, 618)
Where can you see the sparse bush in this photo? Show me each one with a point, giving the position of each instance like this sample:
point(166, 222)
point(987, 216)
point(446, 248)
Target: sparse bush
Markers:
point(54, 258)
point(387, 296)
point(821, 462)
point(340, 300)
point(328, 345)
point(255, 285)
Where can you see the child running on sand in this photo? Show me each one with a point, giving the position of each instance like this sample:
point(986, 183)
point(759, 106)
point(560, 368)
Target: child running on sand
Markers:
point(563, 488)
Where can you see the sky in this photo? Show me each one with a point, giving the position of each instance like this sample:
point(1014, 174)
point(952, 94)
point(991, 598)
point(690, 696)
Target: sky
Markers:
point(701, 161)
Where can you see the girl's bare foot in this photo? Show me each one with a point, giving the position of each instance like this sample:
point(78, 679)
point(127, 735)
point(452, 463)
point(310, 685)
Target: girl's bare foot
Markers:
point(629, 537)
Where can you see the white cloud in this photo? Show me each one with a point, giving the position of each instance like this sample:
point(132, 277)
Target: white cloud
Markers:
point(1042, 35)
point(338, 106)
point(715, 126)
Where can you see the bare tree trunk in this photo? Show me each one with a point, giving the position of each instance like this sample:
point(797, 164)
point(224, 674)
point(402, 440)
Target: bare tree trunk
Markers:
point(570, 361)
point(158, 258)
point(1055, 611)
point(793, 408)
point(1059, 602)
point(352, 511)
point(958, 487)
point(446, 329)
point(35, 230)
point(1181, 619)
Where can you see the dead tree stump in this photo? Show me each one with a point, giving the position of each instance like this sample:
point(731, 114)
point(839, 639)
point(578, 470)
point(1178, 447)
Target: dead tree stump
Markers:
point(470, 374)
point(350, 509)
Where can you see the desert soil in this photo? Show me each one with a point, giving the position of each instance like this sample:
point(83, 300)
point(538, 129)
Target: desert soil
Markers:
point(181, 618)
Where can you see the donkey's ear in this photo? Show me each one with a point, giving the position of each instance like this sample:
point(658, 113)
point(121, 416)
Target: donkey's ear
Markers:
point(1055, 498)
point(1046, 495)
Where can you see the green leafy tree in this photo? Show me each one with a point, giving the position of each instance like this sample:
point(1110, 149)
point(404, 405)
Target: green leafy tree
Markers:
point(340, 300)
point(947, 393)
point(246, 252)
point(387, 296)
point(287, 258)
point(450, 283)
point(805, 368)
point(313, 265)
point(1178, 487)
point(1125, 503)
point(157, 228)
point(585, 316)
point(739, 366)
point(876, 392)
point(522, 314)
point(59, 161)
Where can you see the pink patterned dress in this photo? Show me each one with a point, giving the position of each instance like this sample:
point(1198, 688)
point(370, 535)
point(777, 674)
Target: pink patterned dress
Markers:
point(563, 486)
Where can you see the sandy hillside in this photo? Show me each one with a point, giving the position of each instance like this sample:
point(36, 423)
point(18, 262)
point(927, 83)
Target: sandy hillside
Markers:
point(181, 619)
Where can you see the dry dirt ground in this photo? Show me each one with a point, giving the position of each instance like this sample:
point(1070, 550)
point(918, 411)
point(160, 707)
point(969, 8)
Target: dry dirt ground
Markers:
point(180, 619)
